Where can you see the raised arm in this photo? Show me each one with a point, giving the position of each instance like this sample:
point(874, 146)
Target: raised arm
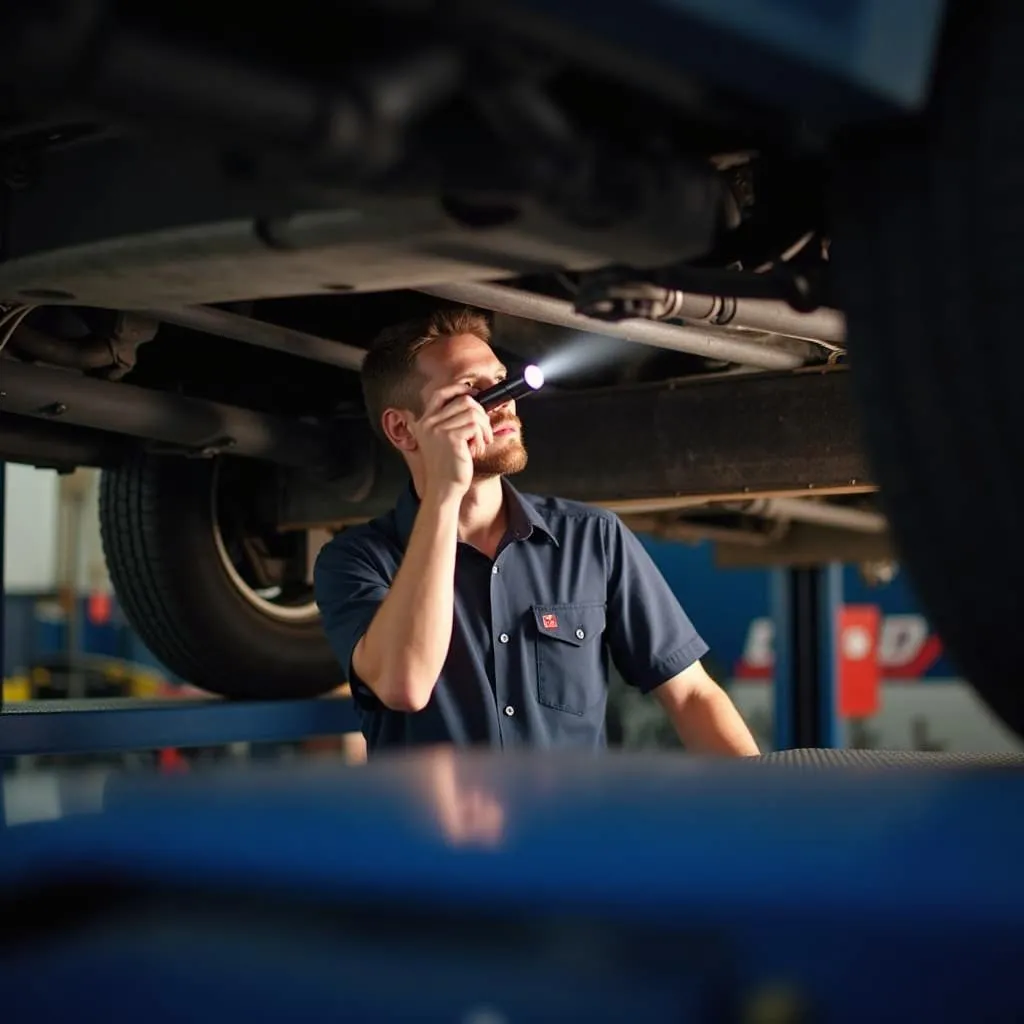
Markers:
point(400, 651)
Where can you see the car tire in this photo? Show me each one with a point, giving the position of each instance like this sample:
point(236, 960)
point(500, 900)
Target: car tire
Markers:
point(928, 252)
point(170, 569)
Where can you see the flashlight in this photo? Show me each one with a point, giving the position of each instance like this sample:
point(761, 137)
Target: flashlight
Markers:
point(530, 380)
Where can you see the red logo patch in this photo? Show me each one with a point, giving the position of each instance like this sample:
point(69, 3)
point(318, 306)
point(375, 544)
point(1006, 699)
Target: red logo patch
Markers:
point(549, 621)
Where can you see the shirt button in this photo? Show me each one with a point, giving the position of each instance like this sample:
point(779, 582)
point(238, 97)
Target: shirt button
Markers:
point(503, 638)
point(580, 634)
point(494, 570)
point(509, 710)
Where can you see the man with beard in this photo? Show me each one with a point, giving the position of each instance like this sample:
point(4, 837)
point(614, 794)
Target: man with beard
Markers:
point(472, 614)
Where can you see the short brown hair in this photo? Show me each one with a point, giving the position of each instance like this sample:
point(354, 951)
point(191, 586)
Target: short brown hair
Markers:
point(389, 375)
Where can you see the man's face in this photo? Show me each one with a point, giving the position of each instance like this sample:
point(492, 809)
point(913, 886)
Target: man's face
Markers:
point(465, 359)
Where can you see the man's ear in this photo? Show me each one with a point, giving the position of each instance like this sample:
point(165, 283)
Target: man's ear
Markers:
point(395, 423)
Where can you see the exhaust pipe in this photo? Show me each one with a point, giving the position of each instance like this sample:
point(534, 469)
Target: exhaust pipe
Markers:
point(823, 325)
point(191, 425)
point(515, 302)
point(616, 302)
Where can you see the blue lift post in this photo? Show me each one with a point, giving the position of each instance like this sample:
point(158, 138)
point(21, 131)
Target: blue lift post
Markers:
point(805, 609)
point(97, 726)
point(3, 578)
point(3, 627)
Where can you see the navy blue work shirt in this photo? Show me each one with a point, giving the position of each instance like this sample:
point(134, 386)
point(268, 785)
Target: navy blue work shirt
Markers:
point(533, 628)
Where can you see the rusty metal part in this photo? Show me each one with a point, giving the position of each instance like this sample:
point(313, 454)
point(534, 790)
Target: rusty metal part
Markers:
point(644, 448)
point(111, 356)
point(190, 425)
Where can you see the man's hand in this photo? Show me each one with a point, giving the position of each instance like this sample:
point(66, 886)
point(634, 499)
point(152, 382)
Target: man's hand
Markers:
point(705, 719)
point(452, 430)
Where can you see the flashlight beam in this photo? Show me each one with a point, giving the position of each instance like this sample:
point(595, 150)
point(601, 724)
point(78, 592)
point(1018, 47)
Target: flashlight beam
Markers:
point(516, 302)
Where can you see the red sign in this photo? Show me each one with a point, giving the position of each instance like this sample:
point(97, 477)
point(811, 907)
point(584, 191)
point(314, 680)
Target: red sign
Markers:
point(857, 641)
point(99, 607)
point(549, 621)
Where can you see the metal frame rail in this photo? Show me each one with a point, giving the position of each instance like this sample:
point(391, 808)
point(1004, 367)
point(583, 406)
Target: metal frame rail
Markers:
point(98, 726)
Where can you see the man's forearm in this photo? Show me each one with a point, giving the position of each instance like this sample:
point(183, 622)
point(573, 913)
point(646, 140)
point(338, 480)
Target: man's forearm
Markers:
point(402, 653)
point(709, 723)
point(704, 717)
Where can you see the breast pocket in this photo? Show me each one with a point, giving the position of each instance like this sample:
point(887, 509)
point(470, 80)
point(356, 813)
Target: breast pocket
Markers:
point(569, 665)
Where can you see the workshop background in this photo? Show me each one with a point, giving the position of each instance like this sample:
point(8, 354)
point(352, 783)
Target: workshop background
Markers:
point(65, 635)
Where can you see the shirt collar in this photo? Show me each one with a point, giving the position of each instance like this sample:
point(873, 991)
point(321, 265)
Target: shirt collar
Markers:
point(523, 517)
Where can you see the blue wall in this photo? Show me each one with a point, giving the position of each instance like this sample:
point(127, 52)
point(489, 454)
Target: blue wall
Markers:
point(721, 602)
point(29, 635)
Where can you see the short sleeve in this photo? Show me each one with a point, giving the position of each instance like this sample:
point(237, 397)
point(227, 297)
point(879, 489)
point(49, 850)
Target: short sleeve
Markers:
point(650, 637)
point(350, 585)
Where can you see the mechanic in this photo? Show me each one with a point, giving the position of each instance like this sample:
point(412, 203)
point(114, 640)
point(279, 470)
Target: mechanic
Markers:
point(472, 614)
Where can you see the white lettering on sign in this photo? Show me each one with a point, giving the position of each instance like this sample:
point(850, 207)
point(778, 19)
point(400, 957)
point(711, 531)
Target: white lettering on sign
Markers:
point(904, 641)
point(759, 649)
point(901, 639)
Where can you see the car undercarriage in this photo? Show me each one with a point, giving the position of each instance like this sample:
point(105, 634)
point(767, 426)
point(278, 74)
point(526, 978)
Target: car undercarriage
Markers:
point(203, 228)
